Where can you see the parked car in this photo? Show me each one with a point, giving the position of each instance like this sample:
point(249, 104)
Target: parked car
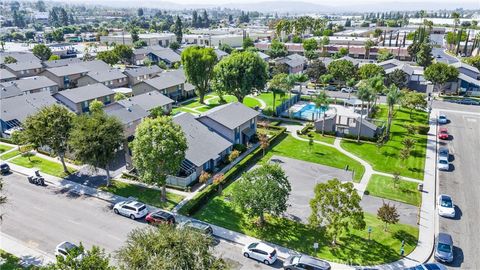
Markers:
point(65, 248)
point(131, 209)
point(331, 88)
point(312, 92)
point(445, 206)
point(260, 252)
point(442, 119)
point(347, 90)
point(443, 248)
point(443, 164)
point(444, 153)
point(160, 217)
point(4, 168)
point(428, 266)
point(443, 134)
point(468, 101)
point(298, 262)
point(198, 226)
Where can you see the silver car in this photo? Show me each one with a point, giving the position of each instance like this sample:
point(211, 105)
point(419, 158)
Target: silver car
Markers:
point(443, 164)
point(443, 248)
point(298, 262)
point(443, 153)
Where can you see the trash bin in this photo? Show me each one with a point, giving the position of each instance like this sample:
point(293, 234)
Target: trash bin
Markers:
point(420, 187)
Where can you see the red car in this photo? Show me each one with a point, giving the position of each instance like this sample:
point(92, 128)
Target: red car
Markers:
point(443, 134)
point(160, 217)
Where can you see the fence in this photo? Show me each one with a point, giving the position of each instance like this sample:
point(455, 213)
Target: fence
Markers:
point(287, 104)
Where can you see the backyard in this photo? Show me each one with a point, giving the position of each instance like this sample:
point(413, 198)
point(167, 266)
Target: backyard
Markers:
point(44, 165)
point(351, 247)
point(387, 158)
point(384, 187)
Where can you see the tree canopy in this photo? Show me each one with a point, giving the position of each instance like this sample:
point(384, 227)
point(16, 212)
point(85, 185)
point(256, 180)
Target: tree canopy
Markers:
point(342, 69)
point(440, 73)
point(370, 70)
point(42, 51)
point(277, 49)
point(247, 43)
point(108, 57)
point(94, 258)
point(198, 64)
point(124, 52)
point(398, 77)
point(315, 69)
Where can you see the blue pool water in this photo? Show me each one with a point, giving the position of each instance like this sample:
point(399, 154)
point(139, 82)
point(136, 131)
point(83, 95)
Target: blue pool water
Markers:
point(308, 110)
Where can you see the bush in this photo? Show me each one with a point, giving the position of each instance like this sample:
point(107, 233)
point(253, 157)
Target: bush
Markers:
point(6, 140)
point(423, 130)
point(305, 129)
point(362, 138)
point(233, 155)
point(202, 198)
point(239, 147)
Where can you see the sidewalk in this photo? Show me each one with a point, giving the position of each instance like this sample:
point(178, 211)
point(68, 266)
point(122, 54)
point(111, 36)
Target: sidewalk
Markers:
point(27, 255)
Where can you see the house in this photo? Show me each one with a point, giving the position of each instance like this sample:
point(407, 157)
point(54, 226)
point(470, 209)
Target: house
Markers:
point(94, 65)
point(136, 75)
point(166, 55)
point(295, 62)
point(25, 69)
point(347, 125)
point(66, 76)
point(113, 78)
point(172, 84)
point(468, 79)
point(19, 56)
point(61, 62)
point(161, 39)
point(15, 109)
point(140, 54)
point(206, 149)
point(78, 99)
point(6, 75)
point(149, 101)
point(9, 90)
point(130, 116)
point(234, 121)
point(415, 79)
point(34, 84)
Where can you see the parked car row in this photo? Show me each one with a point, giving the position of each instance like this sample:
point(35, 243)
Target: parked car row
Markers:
point(465, 101)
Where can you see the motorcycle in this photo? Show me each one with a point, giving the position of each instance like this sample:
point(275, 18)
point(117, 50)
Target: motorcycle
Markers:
point(36, 179)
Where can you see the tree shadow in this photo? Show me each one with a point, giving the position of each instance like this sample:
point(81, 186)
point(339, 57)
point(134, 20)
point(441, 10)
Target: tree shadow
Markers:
point(402, 235)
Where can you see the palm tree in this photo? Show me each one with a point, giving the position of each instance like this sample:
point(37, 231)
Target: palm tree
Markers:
point(325, 79)
point(321, 101)
point(393, 97)
point(364, 94)
point(278, 85)
point(377, 86)
point(368, 45)
point(456, 20)
point(296, 78)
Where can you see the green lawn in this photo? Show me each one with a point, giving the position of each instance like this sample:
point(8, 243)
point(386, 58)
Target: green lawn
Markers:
point(386, 159)
point(405, 191)
point(10, 262)
point(351, 248)
point(10, 154)
point(268, 99)
point(321, 154)
point(4, 148)
point(317, 136)
point(213, 102)
point(44, 165)
point(143, 194)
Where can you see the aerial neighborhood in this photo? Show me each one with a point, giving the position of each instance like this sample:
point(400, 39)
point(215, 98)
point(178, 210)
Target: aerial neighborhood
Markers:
point(242, 135)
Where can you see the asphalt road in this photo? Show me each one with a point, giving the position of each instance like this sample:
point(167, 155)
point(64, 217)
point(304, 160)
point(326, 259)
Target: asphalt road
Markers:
point(462, 183)
point(42, 217)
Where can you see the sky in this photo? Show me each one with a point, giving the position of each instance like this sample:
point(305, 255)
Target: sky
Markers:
point(322, 2)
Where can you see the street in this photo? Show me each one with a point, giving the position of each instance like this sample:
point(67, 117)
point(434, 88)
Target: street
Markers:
point(461, 182)
point(42, 217)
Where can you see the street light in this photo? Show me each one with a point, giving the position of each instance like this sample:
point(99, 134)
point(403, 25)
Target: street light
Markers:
point(369, 232)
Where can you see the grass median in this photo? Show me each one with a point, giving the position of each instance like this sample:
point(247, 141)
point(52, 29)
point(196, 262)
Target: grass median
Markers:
point(4, 148)
point(384, 187)
point(10, 154)
point(42, 164)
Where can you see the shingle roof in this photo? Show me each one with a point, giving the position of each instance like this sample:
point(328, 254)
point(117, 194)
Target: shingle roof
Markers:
point(166, 80)
point(5, 74)
point(135, 72)
point(67, 70)
point(203, 144)
point(61, 62)
point(20, 107)
point(87, 92)
point(147, 101)
point(19, 56)
point(293, 60)
point(167, 54)
point(231, 115)
point(9, 90)
point(108, 75)
point(95, 65)
point(126, 115)
point(24, 65)
point(31, 83)
point(460, 64)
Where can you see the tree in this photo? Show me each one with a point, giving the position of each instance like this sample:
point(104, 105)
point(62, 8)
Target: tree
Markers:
point(364, 93)
point(134, 34)
point(168, 247)
point(158, 150)
point(413, 100)
point(278, 85)
point(138, 44)
point(95, 258)
point(198, 64)
point(204, 176)
point(119, 96)
point(388, 214)
point(262, 190)
point(226, 48)
point(396, 178)
point(218, 180)
point(247, 43)
point(240, 73)
point(315, 69)
point(174, 46)
point(178, 30)
point(310, 46)
point(368, 45)
point(424, 56)
point(321, 101)
point(42, 51)
point(233, 155)
point(264, 142)
point(124, 52)
point(9, 60)
point(326, 79)
point(384, 55)
point(440, 73)
point(473, 61)
point(95, 138)
point(54, 57)
point(277, 49)
point(51, 127)
point(341, 69)
point(108, 57)
point(393, 97)
point(398, 78)
point(368, 71)
point(336, 207)
point(140, 12)
point(95, 106)
point(40, 6)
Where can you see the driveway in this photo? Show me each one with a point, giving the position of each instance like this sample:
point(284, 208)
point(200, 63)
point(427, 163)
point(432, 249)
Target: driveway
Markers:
point(407, 212)
point(303, 177)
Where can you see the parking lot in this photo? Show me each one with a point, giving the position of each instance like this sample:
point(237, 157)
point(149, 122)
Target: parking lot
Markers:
point(462, 183)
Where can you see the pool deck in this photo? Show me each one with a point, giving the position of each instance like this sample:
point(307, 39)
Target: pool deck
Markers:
point(332, 109)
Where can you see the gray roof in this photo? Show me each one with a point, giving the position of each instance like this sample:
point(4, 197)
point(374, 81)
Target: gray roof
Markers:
point(61, 62)
point(126, 115)
point(87, 92)
point(147, 101)
point(460, 64)
point(293, 60)
point(19, 107)
point(67, 70)
point(95, 65)
point(31, 83)
point(19, 56)
point(166, 80)
point(9, 90)
point(220, 53)
point(262, 55)
point(231, 115)
point(24, 65)
point(135, 72)
point(167, 54)
point(203, 144)
point(5, 74)
point(106, 75)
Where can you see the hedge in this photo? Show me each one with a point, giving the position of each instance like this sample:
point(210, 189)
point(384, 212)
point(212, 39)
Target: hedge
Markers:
point(6, 140)
point(199, 200)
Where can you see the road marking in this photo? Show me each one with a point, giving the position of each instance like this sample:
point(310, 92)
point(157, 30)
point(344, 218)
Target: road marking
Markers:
point(457, 111)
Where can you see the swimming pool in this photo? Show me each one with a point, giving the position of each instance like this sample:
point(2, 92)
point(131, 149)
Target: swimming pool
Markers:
point(310, 110)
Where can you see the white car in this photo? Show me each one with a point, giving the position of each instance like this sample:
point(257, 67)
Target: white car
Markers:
point(428, 266)
point(445, 206)
point(131, 209)
point(443, 164)
point(442, 119)
point(64, 248)
point(347, 90)
point(260, 252)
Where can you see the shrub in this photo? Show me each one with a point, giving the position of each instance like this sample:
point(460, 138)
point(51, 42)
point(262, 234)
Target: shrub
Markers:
point(204, 176)
point(233, 155)
point(423, 130)
point(239, 147)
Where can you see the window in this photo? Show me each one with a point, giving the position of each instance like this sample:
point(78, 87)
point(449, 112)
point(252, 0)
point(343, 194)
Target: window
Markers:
point(107, 99)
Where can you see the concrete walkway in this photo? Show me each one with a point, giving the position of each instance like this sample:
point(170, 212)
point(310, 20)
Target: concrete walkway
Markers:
point(27, 255)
